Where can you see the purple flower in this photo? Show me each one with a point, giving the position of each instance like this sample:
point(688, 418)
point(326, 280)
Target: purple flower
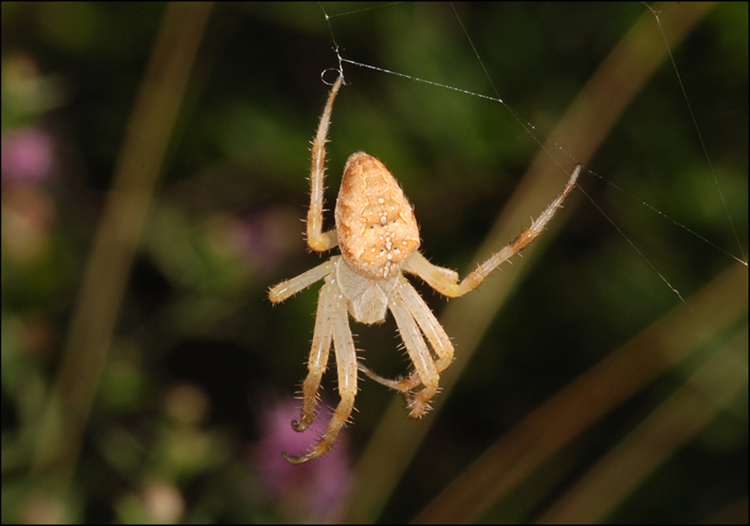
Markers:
point(27, 156)
point(267, 235)
point(315, 490)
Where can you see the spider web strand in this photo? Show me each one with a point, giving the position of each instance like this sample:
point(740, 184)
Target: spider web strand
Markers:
point(700, 135)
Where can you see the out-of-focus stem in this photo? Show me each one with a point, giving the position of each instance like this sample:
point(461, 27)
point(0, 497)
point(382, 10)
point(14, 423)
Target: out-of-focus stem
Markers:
point(116, 240)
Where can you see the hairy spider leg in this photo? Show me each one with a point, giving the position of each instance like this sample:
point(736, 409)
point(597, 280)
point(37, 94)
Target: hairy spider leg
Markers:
point(445, 281)
point(318, 362)
point(322, 335)
point(346, 367)
point(419, 354)
point(290, 287)
point(430, 327)
point(317, 239)
point(436, 335)
point(440, 279)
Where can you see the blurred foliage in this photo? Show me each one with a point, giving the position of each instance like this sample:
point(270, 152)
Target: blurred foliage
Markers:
point(201, 367)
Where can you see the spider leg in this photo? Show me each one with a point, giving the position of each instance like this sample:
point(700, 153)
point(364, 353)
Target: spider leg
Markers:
point(425, 370)
point(439, 340)
point(318, 362)
point(346, 365)
point(431, 328)
point(393, 384)
point(292, 286)
point(317, 239)
point(446, 282)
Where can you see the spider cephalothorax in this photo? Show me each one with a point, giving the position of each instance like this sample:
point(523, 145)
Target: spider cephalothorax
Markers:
point(379, 240)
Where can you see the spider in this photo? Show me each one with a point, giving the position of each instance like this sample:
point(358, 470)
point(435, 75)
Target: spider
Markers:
point(379, 239)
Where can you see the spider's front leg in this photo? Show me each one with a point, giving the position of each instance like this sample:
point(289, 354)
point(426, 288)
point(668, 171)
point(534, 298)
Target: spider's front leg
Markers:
point(407, 308)
point(321, 337)
point(318, 362)
point(446, 282)
point(346, 365)
point(413, 318)
point(317, 239)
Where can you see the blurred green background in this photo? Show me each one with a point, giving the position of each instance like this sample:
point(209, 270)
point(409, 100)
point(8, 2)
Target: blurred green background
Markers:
point(147, 378)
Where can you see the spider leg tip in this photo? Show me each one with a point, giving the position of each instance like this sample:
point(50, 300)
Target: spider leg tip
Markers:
point(291, 459)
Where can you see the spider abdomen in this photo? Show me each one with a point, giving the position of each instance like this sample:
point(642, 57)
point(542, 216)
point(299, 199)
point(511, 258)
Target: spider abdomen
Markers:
point(376, 228)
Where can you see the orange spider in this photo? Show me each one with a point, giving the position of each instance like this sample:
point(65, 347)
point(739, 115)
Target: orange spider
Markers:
point(378, 238)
